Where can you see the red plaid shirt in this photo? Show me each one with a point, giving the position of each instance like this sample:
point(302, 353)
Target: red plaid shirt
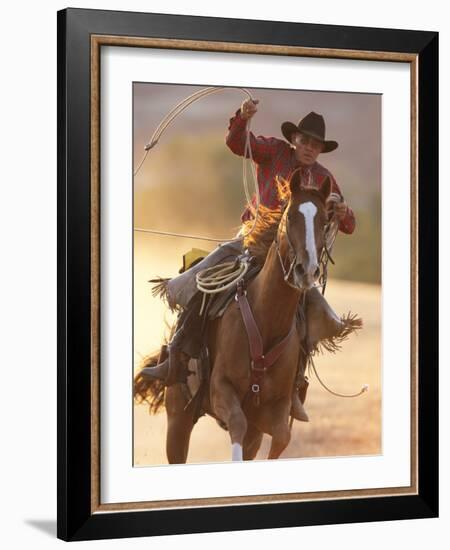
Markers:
point(275, 157)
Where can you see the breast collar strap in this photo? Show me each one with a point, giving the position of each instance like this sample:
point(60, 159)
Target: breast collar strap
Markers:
point(260, 361)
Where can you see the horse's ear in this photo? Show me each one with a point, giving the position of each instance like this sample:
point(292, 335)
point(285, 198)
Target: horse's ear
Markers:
point(325, 189)
point(294, 182)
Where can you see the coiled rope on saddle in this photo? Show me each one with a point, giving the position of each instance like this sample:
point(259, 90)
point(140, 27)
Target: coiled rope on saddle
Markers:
point(221, 277)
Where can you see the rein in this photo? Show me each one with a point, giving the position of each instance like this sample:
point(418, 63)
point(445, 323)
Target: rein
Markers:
point(286, 273)
point(260, 361)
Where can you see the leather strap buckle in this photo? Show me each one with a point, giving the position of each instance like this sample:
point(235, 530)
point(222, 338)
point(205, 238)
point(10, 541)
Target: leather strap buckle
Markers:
point(259, 361)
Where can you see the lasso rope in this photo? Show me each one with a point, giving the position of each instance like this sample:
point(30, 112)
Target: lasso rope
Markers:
point(167, 120)
point(364, 388)
point(221, 277)
point(218, 278)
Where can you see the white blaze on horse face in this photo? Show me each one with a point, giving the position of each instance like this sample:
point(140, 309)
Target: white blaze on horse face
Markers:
point(236, 452)
point(308, 209)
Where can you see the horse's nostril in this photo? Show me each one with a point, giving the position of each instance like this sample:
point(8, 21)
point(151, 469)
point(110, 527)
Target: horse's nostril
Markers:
point(317, 273)
point(299, 270)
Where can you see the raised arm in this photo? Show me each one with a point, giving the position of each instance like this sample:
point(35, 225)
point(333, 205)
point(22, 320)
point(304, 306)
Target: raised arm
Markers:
point(263, 149)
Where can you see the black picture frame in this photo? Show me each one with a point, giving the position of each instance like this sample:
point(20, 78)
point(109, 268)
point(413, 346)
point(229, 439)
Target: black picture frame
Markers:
point(78, 518)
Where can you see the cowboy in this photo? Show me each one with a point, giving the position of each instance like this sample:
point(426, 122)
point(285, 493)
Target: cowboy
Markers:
point(274, 158)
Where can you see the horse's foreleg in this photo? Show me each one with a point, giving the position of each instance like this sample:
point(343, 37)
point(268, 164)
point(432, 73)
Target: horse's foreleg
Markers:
point(227, 407)
point(252, 442)
point(179, 425)
point(281, 433)
point(177, 442)
point(279, 441)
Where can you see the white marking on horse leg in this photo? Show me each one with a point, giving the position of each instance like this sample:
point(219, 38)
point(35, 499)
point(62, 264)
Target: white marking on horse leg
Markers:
point(308, 209)
point(236, 452)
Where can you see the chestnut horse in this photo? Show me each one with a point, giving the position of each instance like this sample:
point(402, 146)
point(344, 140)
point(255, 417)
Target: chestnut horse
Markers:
point(294, 240)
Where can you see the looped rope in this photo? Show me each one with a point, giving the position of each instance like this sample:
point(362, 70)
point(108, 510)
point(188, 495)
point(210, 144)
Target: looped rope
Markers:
point(167, 120)
point(213, 280)
point(218, 278)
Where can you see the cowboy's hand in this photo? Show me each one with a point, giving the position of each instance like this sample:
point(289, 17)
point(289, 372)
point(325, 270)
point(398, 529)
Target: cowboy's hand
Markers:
point(340, 209)
point(248, 108)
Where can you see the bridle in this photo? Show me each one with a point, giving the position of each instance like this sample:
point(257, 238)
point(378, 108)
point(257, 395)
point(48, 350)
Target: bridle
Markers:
point(329, 235)
point(291, 251)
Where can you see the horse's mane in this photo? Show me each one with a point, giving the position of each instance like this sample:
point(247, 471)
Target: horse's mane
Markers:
point(263, 234)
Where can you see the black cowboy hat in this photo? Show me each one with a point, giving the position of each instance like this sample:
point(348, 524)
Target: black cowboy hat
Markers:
point(312, 125)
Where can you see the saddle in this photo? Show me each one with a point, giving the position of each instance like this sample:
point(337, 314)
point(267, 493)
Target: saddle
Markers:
point(182, 289)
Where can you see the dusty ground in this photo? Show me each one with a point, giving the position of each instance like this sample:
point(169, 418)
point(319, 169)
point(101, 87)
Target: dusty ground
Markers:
point(337, 426)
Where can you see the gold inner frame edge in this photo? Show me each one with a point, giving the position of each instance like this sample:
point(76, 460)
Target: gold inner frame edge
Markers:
point(97, 41)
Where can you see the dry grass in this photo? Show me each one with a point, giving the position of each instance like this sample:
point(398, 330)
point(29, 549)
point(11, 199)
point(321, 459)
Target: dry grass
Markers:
point(337, 427)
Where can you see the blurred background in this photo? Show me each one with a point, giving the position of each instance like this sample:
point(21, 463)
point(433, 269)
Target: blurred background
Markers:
point(192, 183)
